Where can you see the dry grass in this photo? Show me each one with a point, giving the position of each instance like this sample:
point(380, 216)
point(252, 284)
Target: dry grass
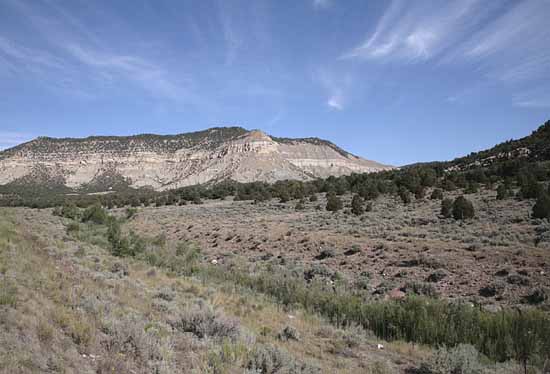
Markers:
point(74, 311)
point(68, 306)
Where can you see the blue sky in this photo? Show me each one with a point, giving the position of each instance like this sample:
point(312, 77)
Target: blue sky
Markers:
point(396, 81)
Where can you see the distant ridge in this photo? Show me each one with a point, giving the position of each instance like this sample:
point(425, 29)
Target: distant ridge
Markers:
point(172, 161)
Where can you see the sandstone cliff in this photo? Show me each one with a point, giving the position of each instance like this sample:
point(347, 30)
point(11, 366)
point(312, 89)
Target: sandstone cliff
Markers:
point(165, 162)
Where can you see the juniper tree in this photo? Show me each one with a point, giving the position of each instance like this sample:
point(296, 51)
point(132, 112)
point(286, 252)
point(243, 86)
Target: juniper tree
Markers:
point(405, 195)
point(463, 208)
point(447, 208)
point(333, 203)
point(437, 194)
point(541, 209)
point(357, 205)
point(502, 192)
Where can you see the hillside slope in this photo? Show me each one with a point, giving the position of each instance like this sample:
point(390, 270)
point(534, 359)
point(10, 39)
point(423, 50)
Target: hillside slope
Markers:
point(533, 147)
point(172, 161)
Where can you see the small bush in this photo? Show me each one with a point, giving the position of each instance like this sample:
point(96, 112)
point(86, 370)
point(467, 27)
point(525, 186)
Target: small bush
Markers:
point(136, 338)
point(463, 208)
point(405, 196)
point(203, 322)
point(357, 205)
point(334, 203)
point(68, 211)
point(284, 196)
point(379, 367)
point(95, 214)
point(472, 188)
point(119, 244)
point(289, 333)
point(131, 212)
point(419, 193)
point(502, 192)
point(226, 356)
point(326, 253)
point(541, 209)
point(447, 208)
point(44, 332)
point(420, 288)
point(268, 359)
point(537, 296)
point(72, 227)
point(531, 190)
point(8, 294)
point(80, 330)
point(463, 359)
point(437, 194)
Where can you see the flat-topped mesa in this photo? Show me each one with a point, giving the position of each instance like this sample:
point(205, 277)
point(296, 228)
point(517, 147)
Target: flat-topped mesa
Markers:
point(172, 161)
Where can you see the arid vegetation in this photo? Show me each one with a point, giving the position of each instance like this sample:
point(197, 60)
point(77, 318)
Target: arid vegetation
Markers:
point(435, 268)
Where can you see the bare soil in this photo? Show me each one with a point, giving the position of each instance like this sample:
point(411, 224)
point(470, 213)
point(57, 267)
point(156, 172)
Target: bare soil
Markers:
point(491, 260)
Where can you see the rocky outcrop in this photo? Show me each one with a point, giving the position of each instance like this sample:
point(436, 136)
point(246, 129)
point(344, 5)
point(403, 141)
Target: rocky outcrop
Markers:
point(165, 162)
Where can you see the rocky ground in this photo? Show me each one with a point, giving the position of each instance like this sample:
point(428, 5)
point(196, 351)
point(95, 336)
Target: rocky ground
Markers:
point(499, 258)
point(68, 306)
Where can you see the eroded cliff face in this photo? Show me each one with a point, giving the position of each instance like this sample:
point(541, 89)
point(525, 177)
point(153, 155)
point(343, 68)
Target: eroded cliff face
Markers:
point(165, 162)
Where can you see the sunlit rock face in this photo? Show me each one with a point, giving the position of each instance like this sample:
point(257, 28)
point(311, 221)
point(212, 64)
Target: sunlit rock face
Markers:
point(165, 162)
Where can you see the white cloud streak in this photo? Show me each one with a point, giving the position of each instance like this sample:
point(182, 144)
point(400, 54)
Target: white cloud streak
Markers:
point(511, 44)
point(417, 30)
point(20, 58)
point(502, 42)
point(322, 4)
point(233, 39)
point(517, 44)
point(336, 86)
point(73, 59)
point(110, 66)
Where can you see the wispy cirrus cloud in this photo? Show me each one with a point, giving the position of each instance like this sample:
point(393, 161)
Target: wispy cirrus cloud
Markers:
point(516, 46)
point(321, 4)
point(111, 67)
point(19, 58)
point(509, 43)
point(72, 59)
point(499, 41)
point(417, 30)
point(232, 37)
point(336, 86)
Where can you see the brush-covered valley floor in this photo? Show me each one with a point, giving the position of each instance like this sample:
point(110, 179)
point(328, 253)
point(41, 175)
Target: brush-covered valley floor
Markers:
point(67, 305)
